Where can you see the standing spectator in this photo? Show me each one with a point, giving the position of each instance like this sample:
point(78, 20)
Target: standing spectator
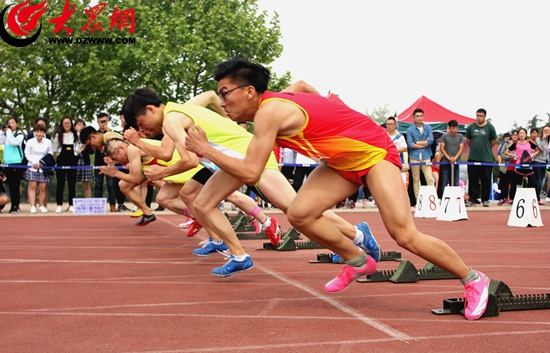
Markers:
point(65, 138)
point(481, 137)
point(400, 143)
point(451, 145)
point(37, 148)
point(14, 154)
point(40, 121)
point(523, 151)
point(303, 171)
point(419, 140)
point(83, 175)
point(506, 173)
point(435, 171)
point(289, 157)
point(3, 197)
point(103, 122)
point(541, 158)
point(546, 142)
point(505, 138)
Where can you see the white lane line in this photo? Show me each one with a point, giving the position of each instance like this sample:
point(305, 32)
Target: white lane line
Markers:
point(340, 343)
point(272, 303)
point(160, 262)
point(52, 312)
point(371, 322)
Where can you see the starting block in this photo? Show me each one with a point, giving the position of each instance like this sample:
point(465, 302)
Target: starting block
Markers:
point(384, 256)
point(288, 244)
point(500, 299)
point(452, 206)
point(407, 273)
point(525, 211)
point(427, 203)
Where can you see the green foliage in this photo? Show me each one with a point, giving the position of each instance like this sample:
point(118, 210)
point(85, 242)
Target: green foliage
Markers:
point(380, 114)
point(178, 43)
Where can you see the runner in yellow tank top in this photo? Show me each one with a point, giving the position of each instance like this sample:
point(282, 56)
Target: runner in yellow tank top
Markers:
point(137, 160)
point(145, 109)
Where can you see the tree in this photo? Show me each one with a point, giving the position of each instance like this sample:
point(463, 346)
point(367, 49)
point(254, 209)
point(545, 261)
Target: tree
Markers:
point(532, 124)
point(380, 114)
point(177, 45)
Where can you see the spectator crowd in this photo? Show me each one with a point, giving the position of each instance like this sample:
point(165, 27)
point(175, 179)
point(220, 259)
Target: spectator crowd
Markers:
point(31, 156)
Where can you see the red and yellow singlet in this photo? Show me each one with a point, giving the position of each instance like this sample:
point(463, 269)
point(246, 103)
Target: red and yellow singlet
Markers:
point(344, 139)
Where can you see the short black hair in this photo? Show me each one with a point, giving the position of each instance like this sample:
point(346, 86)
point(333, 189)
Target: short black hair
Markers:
point(481, 110)
point(452, 123)
point(391, 118)
point(102, 114)
point(136, 103)
point(506, 134)
point(418, 110)
point(86, 133)
point(241, 71)
point(533, 130)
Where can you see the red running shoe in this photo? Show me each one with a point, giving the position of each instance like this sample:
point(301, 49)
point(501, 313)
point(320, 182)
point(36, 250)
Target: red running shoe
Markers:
point(187, 223)
point(273, 232)
point(194, 228)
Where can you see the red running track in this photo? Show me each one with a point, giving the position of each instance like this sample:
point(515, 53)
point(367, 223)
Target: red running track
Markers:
point(100, 284)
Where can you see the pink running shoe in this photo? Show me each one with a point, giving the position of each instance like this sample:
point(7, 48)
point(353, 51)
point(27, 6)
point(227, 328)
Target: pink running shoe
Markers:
point(476, 297)
point(187, 223)
point(348, 275)
point(273, 232)
point(194, 228)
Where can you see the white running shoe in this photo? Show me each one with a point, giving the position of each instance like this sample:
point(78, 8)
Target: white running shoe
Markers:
point(43, 209)
point(70, 209)
point(33, 209)
point(58, 209)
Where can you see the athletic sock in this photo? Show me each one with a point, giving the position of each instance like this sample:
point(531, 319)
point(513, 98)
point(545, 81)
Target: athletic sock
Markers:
point(471, 276)
point(240, 257)
point(359, 262)
point(217, 242)
point(267, 222)
point(358, 236)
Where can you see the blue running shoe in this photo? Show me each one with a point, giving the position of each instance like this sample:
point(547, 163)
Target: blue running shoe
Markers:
point(335, 258)
point(368, 243)
point(209, 247)
point(233, 266)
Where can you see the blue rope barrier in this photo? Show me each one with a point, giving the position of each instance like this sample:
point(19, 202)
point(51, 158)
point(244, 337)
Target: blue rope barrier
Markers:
point(485, 164)
point(65, 167)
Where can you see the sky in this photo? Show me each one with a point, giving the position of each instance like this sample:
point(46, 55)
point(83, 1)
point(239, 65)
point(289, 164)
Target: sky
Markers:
point(463, 55)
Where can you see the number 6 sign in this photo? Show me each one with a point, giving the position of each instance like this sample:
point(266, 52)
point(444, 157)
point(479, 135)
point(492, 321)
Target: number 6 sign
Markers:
point(525, 211)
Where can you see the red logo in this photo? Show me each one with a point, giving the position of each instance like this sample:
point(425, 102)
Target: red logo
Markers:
point(22, 20)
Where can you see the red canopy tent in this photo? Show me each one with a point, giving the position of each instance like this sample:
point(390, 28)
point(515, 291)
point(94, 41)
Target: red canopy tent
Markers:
point(434, 115)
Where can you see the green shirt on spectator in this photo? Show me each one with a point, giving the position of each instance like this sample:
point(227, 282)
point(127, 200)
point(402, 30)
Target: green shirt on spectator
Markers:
point(481, 137)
